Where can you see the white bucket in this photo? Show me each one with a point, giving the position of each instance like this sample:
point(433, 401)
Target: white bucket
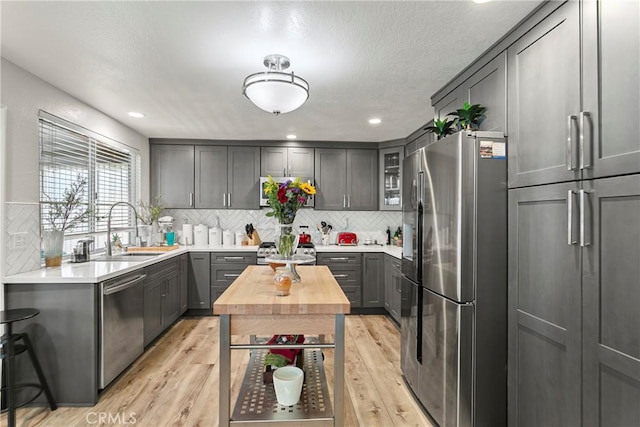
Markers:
point(287, 382)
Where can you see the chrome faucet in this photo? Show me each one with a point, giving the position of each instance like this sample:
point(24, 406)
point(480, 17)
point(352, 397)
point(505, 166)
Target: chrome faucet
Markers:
point(109, 253)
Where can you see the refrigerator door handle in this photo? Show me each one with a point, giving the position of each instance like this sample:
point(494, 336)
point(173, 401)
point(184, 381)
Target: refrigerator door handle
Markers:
point(570, 240)
point(585, 224)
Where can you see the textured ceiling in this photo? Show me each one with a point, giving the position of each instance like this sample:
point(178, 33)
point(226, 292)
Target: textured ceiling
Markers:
point(182, 63)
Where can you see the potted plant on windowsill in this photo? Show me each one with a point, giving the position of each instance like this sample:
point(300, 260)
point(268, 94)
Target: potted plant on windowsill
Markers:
point(148, 213)
point(63, 215)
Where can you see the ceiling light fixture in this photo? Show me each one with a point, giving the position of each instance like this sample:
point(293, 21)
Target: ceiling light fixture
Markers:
point(375, 121)
point(273, 90)
point(136, 115)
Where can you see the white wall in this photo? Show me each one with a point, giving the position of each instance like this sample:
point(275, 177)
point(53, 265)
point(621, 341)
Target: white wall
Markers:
point(24, 95)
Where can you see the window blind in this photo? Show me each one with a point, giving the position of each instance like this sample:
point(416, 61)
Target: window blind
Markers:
point(69, 152)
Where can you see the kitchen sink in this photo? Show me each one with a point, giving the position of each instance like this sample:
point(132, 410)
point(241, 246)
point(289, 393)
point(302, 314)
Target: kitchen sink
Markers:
point(127, 256)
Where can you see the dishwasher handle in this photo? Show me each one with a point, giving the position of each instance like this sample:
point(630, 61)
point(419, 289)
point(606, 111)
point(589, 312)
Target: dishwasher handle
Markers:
point(126, 285)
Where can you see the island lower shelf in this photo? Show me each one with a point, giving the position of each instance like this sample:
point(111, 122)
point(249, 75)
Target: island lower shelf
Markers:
point(257, 400)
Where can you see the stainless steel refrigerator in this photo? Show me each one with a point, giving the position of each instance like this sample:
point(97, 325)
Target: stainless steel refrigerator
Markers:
point(454, 293)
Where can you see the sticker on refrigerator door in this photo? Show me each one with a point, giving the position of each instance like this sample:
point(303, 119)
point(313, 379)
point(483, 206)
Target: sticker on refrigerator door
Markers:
point(492, 150)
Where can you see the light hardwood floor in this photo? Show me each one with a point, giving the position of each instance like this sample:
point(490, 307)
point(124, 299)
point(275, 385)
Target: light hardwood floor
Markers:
point(175, 383)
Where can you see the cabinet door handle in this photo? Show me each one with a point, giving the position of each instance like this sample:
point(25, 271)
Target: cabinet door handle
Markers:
point(570, 142)
point(338, 259)
point(229, 200)
point(585, 224)
point(233, 258)
point(191, 199)
point(284, 171)
point(586, 142)
point(570, 240)
point(340, 276)
point(344, 201)
point(227, 275)
point(349, 201)
point(224, 199)
point(398, 290)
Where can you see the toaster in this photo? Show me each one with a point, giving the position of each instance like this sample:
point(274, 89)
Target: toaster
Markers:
point(347, 238)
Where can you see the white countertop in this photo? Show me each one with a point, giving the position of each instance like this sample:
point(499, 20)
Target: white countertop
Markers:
point(98, 271)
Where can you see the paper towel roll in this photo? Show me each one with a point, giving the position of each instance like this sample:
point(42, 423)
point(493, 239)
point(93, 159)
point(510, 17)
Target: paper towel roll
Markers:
point(215, 236)
point(227, 238)
point(201, 235)
point(187, 234)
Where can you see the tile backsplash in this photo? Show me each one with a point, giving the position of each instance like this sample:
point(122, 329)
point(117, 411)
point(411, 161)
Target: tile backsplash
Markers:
point(21, 219)
point(367, 224)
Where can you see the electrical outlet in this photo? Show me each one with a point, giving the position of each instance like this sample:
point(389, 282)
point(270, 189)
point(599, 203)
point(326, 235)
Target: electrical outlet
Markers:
point(20, 240)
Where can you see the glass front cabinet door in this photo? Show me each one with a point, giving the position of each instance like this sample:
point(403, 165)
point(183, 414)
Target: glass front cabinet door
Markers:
point(391, 178)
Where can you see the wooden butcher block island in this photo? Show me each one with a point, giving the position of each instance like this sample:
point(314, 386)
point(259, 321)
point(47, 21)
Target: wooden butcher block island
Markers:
point(315, 307)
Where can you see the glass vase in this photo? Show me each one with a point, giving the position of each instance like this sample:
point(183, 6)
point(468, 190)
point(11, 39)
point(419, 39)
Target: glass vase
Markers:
point(286, 239)
point(52, 242)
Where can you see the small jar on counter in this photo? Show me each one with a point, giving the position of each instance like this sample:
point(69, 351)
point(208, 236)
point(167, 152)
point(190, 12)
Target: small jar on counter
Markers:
point(282, 280)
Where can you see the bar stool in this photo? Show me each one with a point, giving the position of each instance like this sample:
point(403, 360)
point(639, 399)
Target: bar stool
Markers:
point(11, 349)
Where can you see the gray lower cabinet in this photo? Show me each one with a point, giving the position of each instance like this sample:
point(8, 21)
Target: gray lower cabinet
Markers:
point(392, 286)
point(544, 316)
point(172, 169)
point(287, 161)
point(161, 297)
point(611, 301)
point(346, 179)
point(373, 279)
point(65, 337)
point(544, 100)
point(184, 281)
point(347, 270)
point(198, 296)
point(225, 268)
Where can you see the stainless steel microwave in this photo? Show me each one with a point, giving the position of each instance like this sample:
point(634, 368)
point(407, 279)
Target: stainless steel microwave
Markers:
point(280, 179)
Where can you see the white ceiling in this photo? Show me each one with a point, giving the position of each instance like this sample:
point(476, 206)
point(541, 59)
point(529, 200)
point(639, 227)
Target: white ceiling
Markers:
point(182, 63)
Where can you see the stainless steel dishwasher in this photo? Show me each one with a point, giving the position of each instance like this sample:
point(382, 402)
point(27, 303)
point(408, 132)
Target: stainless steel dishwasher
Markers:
point(121, 325)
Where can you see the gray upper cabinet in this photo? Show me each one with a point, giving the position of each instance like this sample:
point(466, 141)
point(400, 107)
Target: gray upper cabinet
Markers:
point(243, 178)
point(211, 177)
point(611, 297)
point(346, 179)
point(287, 161)
point(544, 317)
point(172, 172)
point(206, 176)
point(451, 102)
point(362, 180)
point(331, 179)
point(391, 178)
point(611, 80)
point(544, 100)
point(488, 87)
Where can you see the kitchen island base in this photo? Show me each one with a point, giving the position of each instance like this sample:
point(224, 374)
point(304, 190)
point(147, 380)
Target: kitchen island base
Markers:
point(316, 306)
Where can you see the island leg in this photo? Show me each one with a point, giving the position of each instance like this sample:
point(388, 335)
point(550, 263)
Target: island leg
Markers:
point(338, 373)
point(224, 371)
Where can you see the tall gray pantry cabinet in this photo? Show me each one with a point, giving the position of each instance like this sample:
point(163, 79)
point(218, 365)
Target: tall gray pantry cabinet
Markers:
point(574, 218)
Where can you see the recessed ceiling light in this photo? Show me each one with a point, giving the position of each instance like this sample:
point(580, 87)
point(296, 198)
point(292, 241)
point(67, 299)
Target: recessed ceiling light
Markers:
point(291, 136)
point(136, 115)
point(375, 121)
point(481, 1)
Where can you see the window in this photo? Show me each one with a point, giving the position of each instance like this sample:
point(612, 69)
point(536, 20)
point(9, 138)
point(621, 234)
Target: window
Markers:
point(111, 170)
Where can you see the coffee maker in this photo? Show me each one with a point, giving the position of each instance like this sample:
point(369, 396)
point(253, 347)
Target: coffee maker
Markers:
point(81, 250)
